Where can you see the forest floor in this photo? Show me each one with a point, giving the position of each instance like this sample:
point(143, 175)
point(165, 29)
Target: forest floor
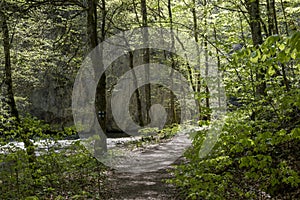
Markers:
point(139, 182)
point(142, 186)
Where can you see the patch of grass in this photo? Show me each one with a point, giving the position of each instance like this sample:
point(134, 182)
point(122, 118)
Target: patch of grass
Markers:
point(153, 136)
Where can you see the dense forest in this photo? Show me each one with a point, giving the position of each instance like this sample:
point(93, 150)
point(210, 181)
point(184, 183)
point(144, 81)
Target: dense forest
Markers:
point(254, 45)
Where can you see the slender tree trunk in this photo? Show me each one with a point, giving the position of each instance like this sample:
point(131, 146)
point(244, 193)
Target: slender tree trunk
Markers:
point(198, 73)
point(254, 13)
point(137, 92)
point(207, 100)
point(285, 79)
point(190, 76)
point(273, 8)
point(219, 68)
point(285, 19)
point(276, 31)
point(100, 102)
point(10, 94)
point(8, 75)
point(272, 18)
point(146, 58)
point(173, 65)
point(101, 91)
point(136, 12)
point(92, 24)
point(103, 24)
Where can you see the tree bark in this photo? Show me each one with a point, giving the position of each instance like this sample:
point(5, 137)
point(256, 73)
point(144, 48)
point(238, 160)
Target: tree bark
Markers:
point(8, 75)
point(219, 68)
point(285, 18)
point(254, 13)
point(137, 92)
point(102, 82)
point(198, 75)
point(207, 95)
point(173, 115)
point(92, 24)
point(272, 18)
point(10, 94)
point(100, 102)
point(146, 58)
point(273, 7)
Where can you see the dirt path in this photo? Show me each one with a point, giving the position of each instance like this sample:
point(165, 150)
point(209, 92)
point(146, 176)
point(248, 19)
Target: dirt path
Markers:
point(141, 173)
point(142, 176)
point(142, 186)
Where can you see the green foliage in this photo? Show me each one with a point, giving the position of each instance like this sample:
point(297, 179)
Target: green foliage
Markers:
point(258, 151)
point(246, 161)
point(154, 136)
point(58, 171)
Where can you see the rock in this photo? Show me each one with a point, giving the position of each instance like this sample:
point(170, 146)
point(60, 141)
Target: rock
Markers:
point(52, 103)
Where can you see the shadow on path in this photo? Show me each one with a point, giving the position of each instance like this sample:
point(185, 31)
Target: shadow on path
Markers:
point(142, 186)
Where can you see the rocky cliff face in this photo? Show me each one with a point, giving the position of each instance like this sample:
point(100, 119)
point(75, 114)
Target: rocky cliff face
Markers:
point(52, 102)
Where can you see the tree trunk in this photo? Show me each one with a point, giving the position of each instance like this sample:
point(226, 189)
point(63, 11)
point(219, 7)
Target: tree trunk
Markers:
point(254, 13)
point(272, 18)
point(273, 8)
point(285, 18)
point(137, 92)
point(92, 24)
point(100, 102)
point(146, 58)
point(173, 115)
point(219, 68)
point(8, 75)
point(207, 92)
point(102, 82)
point(198, 82)
point(10, 94)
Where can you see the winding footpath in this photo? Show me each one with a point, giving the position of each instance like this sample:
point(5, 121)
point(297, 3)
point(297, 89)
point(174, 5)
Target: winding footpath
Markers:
point(143, 174)
point(141, 186)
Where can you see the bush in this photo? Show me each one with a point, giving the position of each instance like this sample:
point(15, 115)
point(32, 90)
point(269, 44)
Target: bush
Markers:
point(257, 155)
point(244, 163)
point(58, 171)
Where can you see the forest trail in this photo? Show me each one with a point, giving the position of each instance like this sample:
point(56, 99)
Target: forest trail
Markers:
point(142, 185)
point(144, 174)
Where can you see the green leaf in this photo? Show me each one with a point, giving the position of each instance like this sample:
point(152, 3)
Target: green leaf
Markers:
point(271, 40)
point(264, 57)
point(254, 56)
point(294, 54)
point(283, 57)
point(295, 41)
point(281, 47)
point(271, 71)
